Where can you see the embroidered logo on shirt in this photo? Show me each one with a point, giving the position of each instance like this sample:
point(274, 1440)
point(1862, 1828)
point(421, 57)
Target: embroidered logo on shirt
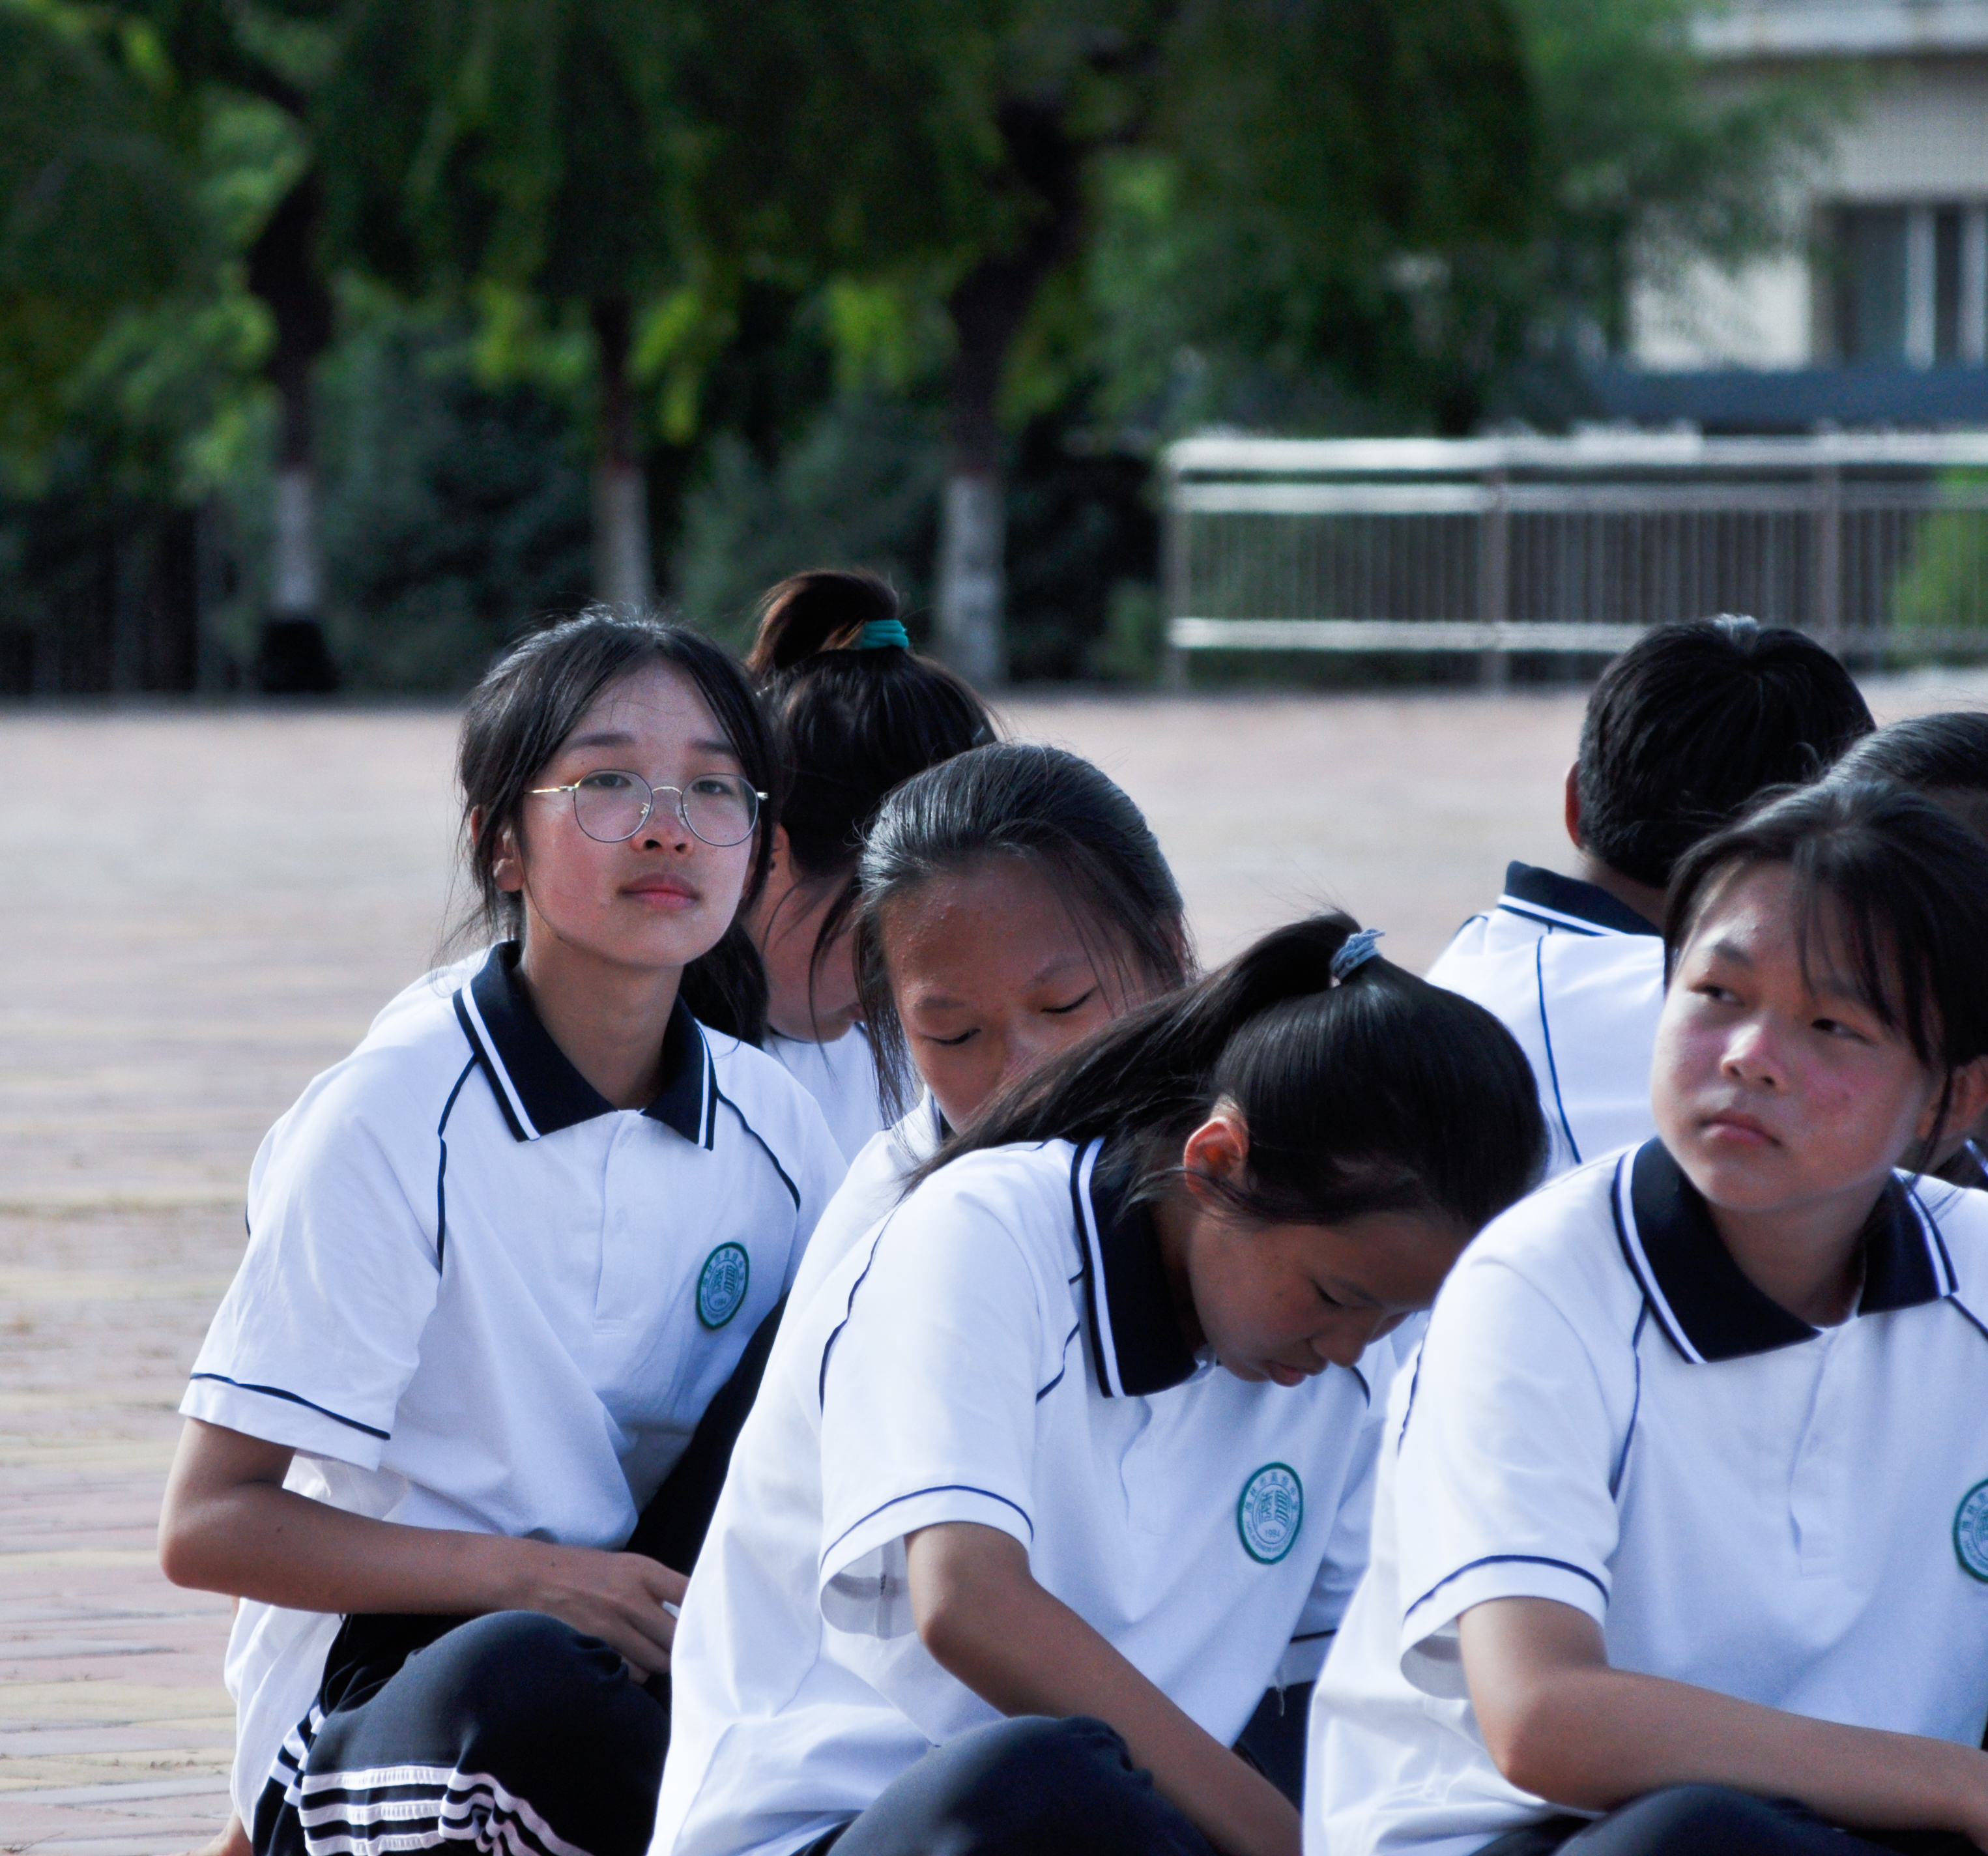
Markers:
point(721, 1284)
point(1272, 1511)
point(1970, 1532)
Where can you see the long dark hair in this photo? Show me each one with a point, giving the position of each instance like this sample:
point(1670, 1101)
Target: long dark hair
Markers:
point(853, 717)
point(1691, 723)
point(1898, 884)
point(1944, 756)
point(1377, 1094)
point(533, 698)
point(1040, 806)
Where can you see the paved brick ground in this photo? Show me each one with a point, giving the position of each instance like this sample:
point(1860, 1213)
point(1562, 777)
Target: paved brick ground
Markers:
point(203, 910)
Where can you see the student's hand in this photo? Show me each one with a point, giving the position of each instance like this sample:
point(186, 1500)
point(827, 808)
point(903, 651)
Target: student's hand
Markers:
point(618, 1597)
point(230, 1526)
point(984, 1620)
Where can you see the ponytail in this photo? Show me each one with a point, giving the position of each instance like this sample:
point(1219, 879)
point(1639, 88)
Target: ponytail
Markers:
point(1372, 1092)
point(856, 712)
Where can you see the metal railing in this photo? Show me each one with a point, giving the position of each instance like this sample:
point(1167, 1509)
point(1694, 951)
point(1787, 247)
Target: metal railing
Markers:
point(1877, 544)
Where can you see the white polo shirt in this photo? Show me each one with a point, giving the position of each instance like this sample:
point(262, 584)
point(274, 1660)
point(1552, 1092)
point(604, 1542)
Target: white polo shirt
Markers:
point(477, 1297)
point(1577, 977)
point(870, 1191)
point(841, 1076)
point(1003, 1349)
point(1606, 1412)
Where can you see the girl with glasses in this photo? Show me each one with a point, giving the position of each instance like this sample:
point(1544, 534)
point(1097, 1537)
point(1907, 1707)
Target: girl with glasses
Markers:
point(501, 1259)
point(855, 713)
point(1059, 1460)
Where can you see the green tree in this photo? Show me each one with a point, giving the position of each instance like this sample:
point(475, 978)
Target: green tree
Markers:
point(97, 216)
point(528, 155)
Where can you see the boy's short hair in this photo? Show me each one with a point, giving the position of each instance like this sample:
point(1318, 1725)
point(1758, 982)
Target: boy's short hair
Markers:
point(1692, 720)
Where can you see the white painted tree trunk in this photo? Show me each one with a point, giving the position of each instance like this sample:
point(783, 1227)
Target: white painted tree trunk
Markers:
point(972, 584)
point(622, 575)
point(296, 586)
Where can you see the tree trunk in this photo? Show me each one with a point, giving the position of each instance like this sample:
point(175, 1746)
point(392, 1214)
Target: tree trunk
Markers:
point(283, 272)
point(622, 575)
point(988, 308)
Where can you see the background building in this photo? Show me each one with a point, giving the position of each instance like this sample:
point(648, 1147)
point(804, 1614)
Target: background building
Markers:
point(1878, 315)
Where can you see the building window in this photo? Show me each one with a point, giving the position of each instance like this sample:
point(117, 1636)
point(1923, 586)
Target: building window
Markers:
point(1910, 284)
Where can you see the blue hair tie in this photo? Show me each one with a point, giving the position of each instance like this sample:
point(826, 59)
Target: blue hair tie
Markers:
point(878, 634)
point(1357, 951)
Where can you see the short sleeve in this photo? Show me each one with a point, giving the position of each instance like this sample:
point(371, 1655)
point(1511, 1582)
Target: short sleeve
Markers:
point(928, 1390)
point(1501, 1490)
point(320, 1331)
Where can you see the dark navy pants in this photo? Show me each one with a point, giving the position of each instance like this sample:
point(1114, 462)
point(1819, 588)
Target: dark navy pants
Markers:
point(511, 1732)
point(1024, 1787)
point(1713, 1820)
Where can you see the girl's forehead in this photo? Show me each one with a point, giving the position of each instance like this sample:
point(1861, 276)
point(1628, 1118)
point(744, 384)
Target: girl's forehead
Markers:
point(654, 704)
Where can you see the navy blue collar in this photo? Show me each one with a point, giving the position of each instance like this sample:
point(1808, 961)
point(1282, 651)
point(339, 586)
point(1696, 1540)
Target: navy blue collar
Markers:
point(1135, 1336)
point(1567, 902)
point(536, 1085)
point(1702, 1298)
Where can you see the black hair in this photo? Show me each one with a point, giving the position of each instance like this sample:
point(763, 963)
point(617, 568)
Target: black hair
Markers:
point(1694, 720)
point(1043, 806)
point(1898, 887)
point(533, 698)
point(851, 722)
point(1945, 757)
point(1377, 1094)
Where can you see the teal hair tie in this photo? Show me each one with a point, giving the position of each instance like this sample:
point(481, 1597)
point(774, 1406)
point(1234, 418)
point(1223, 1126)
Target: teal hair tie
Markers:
point(878, 633)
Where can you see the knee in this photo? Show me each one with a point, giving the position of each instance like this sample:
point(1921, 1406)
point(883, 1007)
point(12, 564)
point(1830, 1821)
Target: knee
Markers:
point(1695, 1820)
point(524, 1670)
point(1039, 1766)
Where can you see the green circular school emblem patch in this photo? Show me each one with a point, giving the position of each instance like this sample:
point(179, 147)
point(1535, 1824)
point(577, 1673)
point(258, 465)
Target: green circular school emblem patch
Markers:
point(1970, 1532)
point(721, 1284)
point(1271, 1512)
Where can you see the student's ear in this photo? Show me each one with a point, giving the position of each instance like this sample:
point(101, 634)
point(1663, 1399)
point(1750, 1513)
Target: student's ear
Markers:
point(507, 867)
point(1967, 1105)
point(779, 859)
point(1219, 1149)
point(1573, 806)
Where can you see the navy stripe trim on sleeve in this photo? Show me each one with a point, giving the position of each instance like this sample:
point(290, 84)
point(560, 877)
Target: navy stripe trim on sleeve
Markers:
point(1545, 1032)
point(441, 1164)
point(793, 1190)
point(912, 1496)
point(1579, 1572)
point(276, 1391)
point(1313, 1636)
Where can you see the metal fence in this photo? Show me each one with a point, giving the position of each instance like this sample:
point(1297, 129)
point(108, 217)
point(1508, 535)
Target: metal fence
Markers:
point(1877, 544)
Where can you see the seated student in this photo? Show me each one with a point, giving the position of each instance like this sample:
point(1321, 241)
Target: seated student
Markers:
point(855, 712)
point(1680, 1539)
point(1012, 901)
point(500, 1258)
point(1081, 1435)
point(1945, 757)
point(1684, 728)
